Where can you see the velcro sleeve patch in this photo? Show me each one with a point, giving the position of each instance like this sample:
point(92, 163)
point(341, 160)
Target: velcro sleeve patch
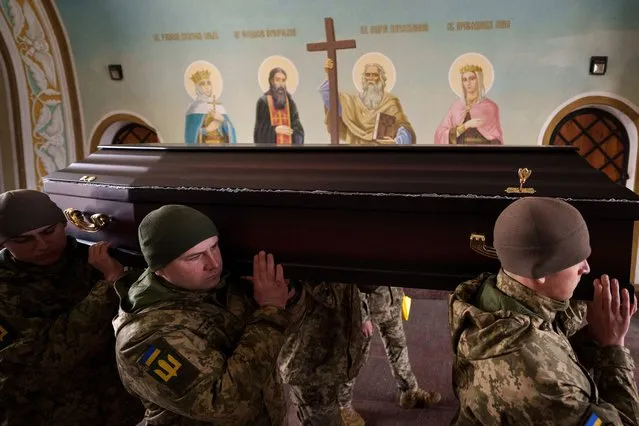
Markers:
point(593, 420)
point(165, 364)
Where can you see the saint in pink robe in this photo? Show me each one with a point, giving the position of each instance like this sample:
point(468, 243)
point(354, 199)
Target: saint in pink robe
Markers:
point(486, 110)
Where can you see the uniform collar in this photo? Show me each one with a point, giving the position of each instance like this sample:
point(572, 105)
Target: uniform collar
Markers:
point(544, 306)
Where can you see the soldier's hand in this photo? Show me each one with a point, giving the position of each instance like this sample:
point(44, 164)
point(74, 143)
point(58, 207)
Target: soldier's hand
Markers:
point(101, 260)
point(328, 65)
point(367, 328)
point(608, 314)
point(269, 285)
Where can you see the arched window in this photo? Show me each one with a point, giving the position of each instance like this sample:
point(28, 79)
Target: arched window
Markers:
point(134, 133)
point(601, 138)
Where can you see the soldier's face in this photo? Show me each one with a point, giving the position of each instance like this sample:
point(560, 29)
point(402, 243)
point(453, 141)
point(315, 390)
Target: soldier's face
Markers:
point(199, 268)
point(561, 285)
point(42, 246)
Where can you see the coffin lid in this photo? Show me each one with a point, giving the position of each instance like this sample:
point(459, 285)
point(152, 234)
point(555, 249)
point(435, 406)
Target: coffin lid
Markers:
point(416, 177)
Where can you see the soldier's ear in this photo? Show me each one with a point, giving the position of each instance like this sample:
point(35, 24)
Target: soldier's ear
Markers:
point(540, 281)
point(160, 273)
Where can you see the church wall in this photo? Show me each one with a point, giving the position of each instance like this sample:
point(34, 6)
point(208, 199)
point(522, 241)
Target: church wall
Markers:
point(45, 103)
point(8, 175)
point(538, 53)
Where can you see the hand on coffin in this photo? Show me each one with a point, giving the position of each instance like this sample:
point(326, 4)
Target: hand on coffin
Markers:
point(609, 314)
point(367, 328)
point(283, 130)
point(269, 285)
point(101, 260)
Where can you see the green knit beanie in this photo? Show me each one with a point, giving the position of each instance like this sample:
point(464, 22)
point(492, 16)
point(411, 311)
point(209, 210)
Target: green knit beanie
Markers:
point(24, 210)
point(170, 231)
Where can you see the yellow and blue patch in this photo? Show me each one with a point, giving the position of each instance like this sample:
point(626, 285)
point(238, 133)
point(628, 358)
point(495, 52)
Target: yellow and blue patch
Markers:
point(165, 364)
point(149, 356)
point(594, 420)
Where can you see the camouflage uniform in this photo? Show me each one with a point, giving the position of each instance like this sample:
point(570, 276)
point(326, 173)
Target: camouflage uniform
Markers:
point(513, 362)
point(324, 348)
point(57, 363)
point(200, 357)
point(385, 308)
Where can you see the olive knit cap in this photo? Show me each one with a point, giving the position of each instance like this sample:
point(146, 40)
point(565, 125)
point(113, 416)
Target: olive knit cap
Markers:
point(170, 231)
point(23, 210)
point(536, 236)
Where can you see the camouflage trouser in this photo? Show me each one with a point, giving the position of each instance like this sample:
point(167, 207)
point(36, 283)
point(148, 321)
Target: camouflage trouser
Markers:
point(392, 332)
point(345, 390)
point(317, 406)
point(346, 393)
point(386, 312)
point(385, 306)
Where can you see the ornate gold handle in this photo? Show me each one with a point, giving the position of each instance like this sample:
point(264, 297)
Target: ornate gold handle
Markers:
point(523, 174)
point(478, 244)
point(96, 222)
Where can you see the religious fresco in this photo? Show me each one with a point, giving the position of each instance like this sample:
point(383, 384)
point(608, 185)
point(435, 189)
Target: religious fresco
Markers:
point(473, 119)
point(46, 129)
point(425, 72)
point(373, 114)
point(206, 120)
point(277, 119)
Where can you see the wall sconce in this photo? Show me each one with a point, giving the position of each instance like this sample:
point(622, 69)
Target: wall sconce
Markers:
point(598, 65)
point(115, 71)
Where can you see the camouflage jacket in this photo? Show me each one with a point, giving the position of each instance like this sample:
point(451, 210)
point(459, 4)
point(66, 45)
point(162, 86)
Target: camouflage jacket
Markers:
point(57, 361)
point(382, 304)
point(513, 362)
point(196, 357)
point(325, 344)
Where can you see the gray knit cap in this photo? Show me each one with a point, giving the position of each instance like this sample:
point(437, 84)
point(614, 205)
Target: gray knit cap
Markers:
point(537, 236)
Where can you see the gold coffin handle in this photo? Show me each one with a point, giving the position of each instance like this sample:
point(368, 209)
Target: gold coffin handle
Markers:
point(524, 174)
point(478, 244)
point(95, 223)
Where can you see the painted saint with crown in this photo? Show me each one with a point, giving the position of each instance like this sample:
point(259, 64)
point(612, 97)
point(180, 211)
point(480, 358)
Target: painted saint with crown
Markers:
point(473, 119)
point(206, 120)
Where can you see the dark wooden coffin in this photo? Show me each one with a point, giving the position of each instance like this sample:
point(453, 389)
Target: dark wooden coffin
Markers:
point(390, 215)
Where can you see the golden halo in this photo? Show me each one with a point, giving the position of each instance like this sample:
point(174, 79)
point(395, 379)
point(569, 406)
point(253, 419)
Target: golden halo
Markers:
point(454, 76)
point(215, 76)
point(374, 58)
point(292, 76)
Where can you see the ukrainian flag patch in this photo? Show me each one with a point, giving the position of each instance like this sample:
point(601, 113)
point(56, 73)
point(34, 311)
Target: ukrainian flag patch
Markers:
point(165, 364)
point(593, 420)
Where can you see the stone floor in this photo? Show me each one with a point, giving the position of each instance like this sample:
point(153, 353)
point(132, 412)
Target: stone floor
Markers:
point(431, 357)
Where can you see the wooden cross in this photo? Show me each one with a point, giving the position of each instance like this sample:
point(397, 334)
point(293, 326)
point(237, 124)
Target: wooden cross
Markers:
point(331, 46)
